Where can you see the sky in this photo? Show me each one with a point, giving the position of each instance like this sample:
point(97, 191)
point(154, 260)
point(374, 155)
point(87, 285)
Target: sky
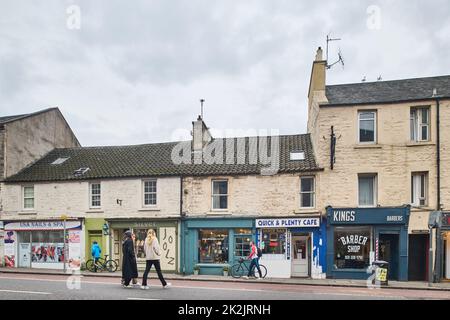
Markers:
point(133, 72)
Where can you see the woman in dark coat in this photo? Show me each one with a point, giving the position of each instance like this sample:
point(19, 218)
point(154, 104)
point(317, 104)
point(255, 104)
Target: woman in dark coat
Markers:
point(129, 265)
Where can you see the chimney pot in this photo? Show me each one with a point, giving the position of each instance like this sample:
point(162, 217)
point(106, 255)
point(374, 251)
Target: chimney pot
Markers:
point(319, 54)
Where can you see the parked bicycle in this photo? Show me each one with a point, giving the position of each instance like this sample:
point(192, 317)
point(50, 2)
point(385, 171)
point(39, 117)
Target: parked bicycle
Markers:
point(241, 269)
point(102, 264)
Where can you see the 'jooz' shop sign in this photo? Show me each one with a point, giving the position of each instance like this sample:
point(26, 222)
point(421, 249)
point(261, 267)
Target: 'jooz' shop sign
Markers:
point(288, 223)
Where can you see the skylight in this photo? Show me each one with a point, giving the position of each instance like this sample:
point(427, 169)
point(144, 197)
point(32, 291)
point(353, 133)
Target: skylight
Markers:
point(81, 171)
point(59, 161)
point(297, 155)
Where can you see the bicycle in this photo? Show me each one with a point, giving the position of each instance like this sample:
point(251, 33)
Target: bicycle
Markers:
point(102, 264)
point(240, 269)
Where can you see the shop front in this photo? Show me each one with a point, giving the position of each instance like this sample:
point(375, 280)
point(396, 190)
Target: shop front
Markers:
point(359, 236)
point(96, 230)
point(292, 247)
point(210, 244)
point(41, 245)
point(443, 247)
point(166, 231)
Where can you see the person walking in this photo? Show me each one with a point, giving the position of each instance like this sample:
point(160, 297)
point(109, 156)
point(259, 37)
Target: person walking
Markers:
point(96, 253)
point(129, 264)
point(253, 256)
point(152, 257)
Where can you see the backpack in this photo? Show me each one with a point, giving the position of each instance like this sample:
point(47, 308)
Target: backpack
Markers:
point(259, 252)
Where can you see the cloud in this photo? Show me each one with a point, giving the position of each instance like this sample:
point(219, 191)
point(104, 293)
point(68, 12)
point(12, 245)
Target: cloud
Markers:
point(135, 71)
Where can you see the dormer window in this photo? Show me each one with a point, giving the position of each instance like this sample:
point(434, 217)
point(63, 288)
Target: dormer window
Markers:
point(297, 156)
point(59, 161)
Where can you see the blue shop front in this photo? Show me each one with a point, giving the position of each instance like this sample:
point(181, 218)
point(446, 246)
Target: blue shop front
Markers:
point(358, 236)
point(212, 243)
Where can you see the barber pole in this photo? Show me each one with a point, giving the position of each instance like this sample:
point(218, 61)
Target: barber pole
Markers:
point(376, 249)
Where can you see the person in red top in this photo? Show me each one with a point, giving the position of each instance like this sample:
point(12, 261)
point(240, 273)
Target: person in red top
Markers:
point(253, 256)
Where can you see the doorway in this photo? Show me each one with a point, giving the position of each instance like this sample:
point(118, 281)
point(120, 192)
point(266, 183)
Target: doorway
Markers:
point(389, 251)
point(95, 236)
point(418, 257)
point(300, 256)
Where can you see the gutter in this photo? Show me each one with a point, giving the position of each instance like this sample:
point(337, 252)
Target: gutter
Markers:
point(438, 153)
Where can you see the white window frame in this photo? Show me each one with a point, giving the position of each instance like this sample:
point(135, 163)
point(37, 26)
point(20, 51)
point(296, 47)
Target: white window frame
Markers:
point(374, 126)
point(313, 192)
point(144, 193)
point(416, 189)
point(23, 197)
point(375, 189)
point(213, 195)
point(91, 195)
point(417, 124)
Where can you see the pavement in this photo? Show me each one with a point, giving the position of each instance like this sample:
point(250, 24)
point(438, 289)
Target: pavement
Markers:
point(410, 285)
point(23, 286)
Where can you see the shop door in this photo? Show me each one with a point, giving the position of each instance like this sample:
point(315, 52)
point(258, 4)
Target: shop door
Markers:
point(389, 251)
point(95, 236)
point(447, 256)
point(300, 256)
point(24, 250)
point(417, 257)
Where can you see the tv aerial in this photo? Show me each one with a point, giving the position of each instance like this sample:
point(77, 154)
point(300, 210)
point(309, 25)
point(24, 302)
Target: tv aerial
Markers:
point(340, 57)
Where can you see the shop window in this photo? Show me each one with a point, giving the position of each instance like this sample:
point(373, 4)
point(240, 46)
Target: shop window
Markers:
point(28, 197)
point(213, 246)
point(242, 240)
point(419, 189)
point(352, 247)
point(47, 246)
point(220, 194)
point(307, 192)
point(141, 234)
point(150, 192)
point(367, 126)
point(420, 124)
point(273, 241)
point(367, 190)
point(95, 195)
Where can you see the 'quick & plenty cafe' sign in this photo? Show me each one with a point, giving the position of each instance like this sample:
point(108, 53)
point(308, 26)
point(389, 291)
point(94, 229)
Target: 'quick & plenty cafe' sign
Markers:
point(288, 223)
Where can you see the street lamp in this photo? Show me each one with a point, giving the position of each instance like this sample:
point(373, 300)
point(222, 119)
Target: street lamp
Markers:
point(106, 229)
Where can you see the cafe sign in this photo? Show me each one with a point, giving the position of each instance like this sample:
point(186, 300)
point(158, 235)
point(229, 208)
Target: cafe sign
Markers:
point(288, 223)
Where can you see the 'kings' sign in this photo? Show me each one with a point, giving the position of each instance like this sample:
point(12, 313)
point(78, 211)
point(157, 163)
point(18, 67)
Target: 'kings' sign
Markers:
point(368, 215)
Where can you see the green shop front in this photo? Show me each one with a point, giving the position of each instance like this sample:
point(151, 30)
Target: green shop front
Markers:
point(210, 244)
point(166, 231)
point(96, 230)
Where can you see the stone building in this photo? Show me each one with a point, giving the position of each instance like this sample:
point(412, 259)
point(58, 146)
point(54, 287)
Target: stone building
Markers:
point(381, 145)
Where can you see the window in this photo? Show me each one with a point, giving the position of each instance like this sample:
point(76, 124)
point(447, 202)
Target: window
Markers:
point(213, 246)
point(307, 192)
point(28, 197)
point(141, 235)
point(351, 247)
point(419, 189)
point(220, 194)
point(59, 161)
point(273, 241)
point(242, 240)
point(95, 195)
point(297, 155)
point(81, 171)
point(420, 124)
point(150, 193)
point(47, 246)
point(367, 190)
point(367, 126)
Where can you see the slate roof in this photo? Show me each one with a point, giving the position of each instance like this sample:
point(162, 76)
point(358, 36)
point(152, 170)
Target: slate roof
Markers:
point(151, 160)
point(4, 120)
point(388, 91)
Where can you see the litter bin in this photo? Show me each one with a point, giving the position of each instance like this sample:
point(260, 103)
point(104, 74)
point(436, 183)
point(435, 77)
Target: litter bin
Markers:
point(381, 270)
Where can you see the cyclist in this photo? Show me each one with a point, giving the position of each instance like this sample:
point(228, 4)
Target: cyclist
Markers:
point(253, 256)
point(95, 251)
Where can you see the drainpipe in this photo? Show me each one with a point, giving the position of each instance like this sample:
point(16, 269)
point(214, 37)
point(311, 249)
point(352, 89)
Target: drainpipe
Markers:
point(438, 185)
point(182, 254)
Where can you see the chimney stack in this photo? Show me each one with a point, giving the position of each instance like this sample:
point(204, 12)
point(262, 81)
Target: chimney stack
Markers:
point(318, 73)
point(200, 135)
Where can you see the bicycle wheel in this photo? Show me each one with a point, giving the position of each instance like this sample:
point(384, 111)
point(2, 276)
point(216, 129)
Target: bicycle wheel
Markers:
point(111, 265)
point(263, 271)
point(90, 265)
point(237, 270)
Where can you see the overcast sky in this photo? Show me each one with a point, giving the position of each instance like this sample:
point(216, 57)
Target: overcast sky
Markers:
point(134, 71)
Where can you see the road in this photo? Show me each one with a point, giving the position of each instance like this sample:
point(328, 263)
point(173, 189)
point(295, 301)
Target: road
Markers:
point(60, 287)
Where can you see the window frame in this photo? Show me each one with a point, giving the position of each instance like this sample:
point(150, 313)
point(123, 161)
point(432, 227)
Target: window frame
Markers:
point(313, 192)
point(375, 189)
point(144, 181)
point(375, 131)
point(23, 198)
point(416, 135)
point(91, 206)
point(219, 195)
point(416, 185)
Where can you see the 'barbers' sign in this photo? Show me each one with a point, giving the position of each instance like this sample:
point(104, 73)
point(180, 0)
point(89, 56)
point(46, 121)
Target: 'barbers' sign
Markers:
point(368, 215)
point(288, 223)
